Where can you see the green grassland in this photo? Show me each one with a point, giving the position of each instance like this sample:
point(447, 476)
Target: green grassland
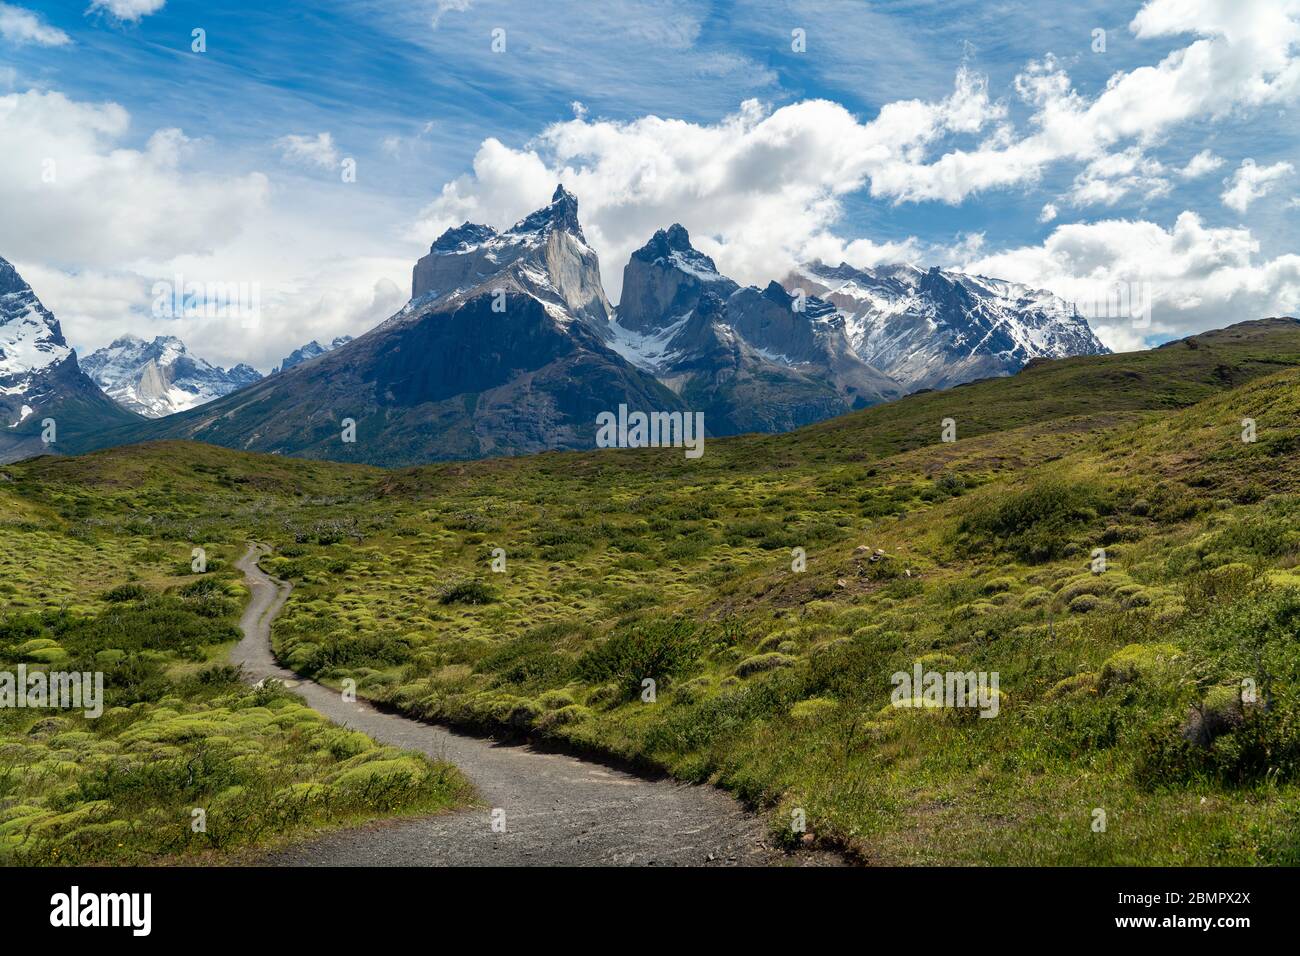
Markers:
point(179, 731)
point(1120, 690)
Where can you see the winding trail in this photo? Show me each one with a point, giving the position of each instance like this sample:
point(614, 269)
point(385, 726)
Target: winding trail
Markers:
point(559, 810)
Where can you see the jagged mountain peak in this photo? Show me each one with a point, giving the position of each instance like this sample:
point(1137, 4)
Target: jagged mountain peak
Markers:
point(161, 377)
point(310, 351)
point(664, 280)
point(665, 242)
point(462, 238)
point(40, 377)
point(934, 328)
point(562, 213)
point(544, 255)
point(671, 248)
point(30, 337)
point(10, 280)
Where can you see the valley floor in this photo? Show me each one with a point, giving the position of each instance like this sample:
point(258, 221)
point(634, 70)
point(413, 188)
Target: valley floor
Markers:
point(533, 808)
point(1100, 537)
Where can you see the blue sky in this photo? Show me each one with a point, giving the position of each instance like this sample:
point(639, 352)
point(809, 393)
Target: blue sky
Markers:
point(412, 91)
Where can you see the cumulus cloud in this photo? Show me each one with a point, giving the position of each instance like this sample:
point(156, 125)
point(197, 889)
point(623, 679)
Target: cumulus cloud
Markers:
point(1201, 164)
point(1197, 277)
point(1048, 212)
point(761, 188)
point(758, 189)
point(318, 150)
point(132, 11)
point(1110, 178)
point(73, 193)
point(1243, 58)
point(22, 26)
point(1250, 182)
point(92, 225)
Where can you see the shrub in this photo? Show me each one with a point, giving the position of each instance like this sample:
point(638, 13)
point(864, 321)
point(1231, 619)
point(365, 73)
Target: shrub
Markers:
point(468, 592)
point(1035, 523)
point(527, 661)
point(764, 662)
point(124, 592)
point(1135, 662)
point(657, 648)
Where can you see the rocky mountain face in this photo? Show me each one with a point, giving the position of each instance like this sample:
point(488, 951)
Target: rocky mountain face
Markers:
point(161, 377)
point(936, 328)
point(544, 256)
point(510, 346)
point(500, 351)
point(41, 380)
point(310, 351)
point(754, 360)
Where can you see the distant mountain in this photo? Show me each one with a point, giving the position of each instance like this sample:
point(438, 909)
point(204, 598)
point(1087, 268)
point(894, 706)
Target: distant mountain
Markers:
point(936, 328)
point(501, 351)
point(751, 359)
point(310, 351)
point(509, 346)
point(40, 379)
point(161, 377)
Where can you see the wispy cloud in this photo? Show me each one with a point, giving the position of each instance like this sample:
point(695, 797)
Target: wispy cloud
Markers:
point(318, 150)
point(448, 6)
point(1250, 182)
point(19, 25)
point(131, 11)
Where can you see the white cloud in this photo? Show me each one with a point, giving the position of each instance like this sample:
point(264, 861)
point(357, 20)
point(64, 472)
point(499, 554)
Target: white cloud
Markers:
point(73, 193)
point(760, 188)
point(115, 220)
point(448, 6)
point(22, 26)
point(131, 11)
point(1198, 277)
point(1250, 182)
point(1109, 178)
point(1242, 58)
point(1048, 212)
point(318, 150)
point(1201, 164)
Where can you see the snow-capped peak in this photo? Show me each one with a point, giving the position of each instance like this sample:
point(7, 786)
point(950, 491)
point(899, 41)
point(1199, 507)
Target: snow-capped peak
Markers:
point(30, 338)
point(934, 328)
point(161, 377)
point(543, 255)
point(562, 213)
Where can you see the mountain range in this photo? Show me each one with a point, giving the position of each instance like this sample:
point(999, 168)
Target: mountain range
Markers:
point(509, 345)
point(310, 351)
point(40, 380)
point(161, 377)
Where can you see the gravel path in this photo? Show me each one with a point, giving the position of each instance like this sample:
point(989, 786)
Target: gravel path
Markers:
point(558, 810)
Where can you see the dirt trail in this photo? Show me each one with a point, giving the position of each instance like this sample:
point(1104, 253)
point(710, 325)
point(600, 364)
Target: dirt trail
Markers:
point(559, 810)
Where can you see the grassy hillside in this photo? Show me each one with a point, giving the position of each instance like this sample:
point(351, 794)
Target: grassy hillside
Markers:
point(179, 731)
point(1121, 690)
